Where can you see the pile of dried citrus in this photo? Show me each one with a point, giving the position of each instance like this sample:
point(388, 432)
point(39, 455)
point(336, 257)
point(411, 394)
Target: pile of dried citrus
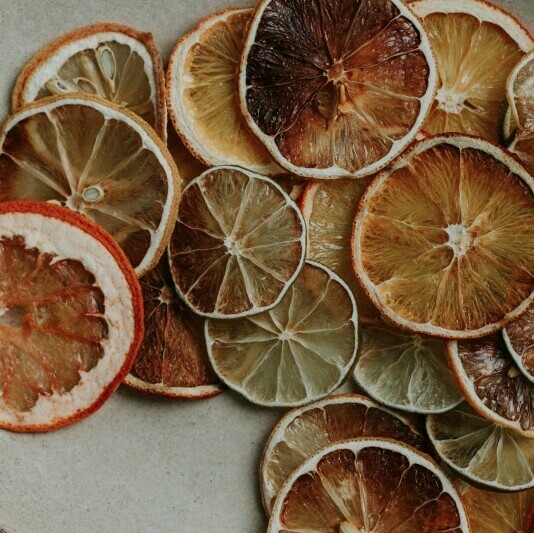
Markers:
point(348, 211)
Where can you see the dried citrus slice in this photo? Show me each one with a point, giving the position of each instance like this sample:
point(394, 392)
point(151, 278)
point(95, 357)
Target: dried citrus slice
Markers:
point(492, 383)
point(325, 86)
point(520, 92)
point(444, 239)
point(297, 352)
point(203, 98)
point(483, 452)
point(476, 45)
point(368, 485)
point(112, 61)
point(519, 339)
point(173, 360)
point(304, 431)
point(405, 371)
point(238, 244)
point(71, 316)
point(329, 209)
point(98, 159)
point(493, 512)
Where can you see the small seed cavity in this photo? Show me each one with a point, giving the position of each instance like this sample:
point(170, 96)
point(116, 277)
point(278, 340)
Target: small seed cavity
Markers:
point(92, 194)
point(85, 85)
point(59, 86)
point(107, 63)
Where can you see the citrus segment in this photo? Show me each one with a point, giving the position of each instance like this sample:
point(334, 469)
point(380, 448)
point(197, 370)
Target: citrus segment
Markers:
point(405, 371)
point(112, 61)
point(476, 45)
point(368, 485)
point(336, 89)
point(304, 431)
point(203, 98)
point(297, 352)
point(172, 360)
point(238, 244)
point(523, 147)
point(329, 209)
point(492, 383)
point(483, 452)
point(99, 160)
point(519, 338)
point(448, 228)
point(71, 317)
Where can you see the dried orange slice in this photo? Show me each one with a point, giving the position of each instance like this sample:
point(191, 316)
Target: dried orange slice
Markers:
point(295, 353)
point(203, 98)
point(98, 159)
point(112, 61)
point(444, 239)
point(492, 383)
point(405, 371)
point(368, 485)
point(71, 316)
point(492, 512)
point(329, 209)
point(325, 87)
point(519, 339)
point(173, 360)
point(476, 45)
point(304, 431)
point(238, 244)
point(484, 453)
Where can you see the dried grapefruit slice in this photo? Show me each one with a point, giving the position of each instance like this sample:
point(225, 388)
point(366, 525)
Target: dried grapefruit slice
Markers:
point(492, 383)
point(329, 209)
point(405, 371)
point(238, 244)
point(476, 45)
point(368, 485)
point(297, 352)
point(304, 431)
point(112, 61)
point(173, 360)
point(98, 159)
point(492, 512)
point(71, 316)
point(325, 85)
point(444, 239)
point(519, 339)
point(203, 98)
point(483, 452)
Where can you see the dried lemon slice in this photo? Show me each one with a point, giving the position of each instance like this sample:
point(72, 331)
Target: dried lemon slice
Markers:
point(444, 239)
point(112, 61)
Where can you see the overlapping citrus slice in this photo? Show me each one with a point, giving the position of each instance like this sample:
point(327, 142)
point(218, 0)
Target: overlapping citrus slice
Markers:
point(368, 485)
point(336, 89)
point(203, 98)
point(476, 45)
point(71, 316)
point(493, 512)
point(443, 241)
point(172, 360)
point(238, 244)
point(483, 452)
point(112, 61)
point(98, 159)
point(329, 209)
point(405, 371)
point(492, 383)
point(295, 353)
point(519, 339)
point(304, 431)
point(520, 92)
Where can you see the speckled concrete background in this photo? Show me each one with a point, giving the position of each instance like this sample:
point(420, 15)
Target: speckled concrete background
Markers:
point(139, 465)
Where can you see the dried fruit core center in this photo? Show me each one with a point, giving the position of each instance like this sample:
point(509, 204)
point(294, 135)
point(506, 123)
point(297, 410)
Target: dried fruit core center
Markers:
point(451, 101)
point(167, 295)
point(13, 316)
point(231, 246)
point(336, 73)
point(459, 239)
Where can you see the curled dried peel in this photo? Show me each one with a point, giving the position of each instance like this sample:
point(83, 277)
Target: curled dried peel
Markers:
point(442, 245)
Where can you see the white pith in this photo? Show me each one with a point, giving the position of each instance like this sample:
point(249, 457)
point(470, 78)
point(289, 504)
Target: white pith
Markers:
point(355, 446)
point(51, 235)
point(334, 172)
point(148, 143)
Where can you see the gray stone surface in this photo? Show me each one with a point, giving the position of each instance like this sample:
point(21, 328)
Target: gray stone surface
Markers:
point(139, 465)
